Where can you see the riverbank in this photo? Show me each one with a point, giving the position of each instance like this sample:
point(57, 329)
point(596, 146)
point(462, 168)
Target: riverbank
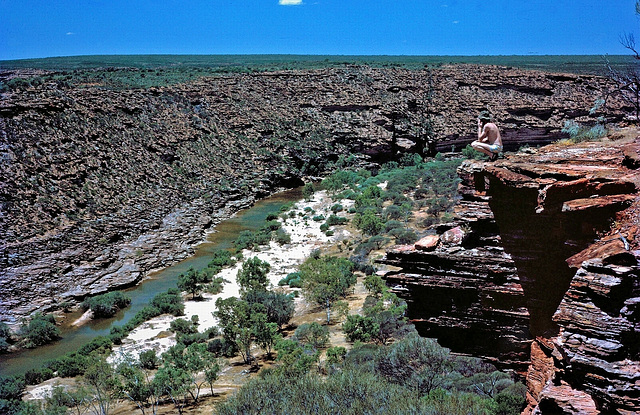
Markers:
point(306, 236)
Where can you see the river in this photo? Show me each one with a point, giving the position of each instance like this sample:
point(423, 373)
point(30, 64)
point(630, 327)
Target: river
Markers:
point(222, 237)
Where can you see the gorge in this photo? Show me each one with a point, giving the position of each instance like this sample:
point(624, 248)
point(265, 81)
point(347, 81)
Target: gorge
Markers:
point(537, 272)
point(101, 186)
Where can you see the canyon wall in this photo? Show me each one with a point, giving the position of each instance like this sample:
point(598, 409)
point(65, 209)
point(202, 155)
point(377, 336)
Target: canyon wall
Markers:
point(539, 272)
point(97, 187)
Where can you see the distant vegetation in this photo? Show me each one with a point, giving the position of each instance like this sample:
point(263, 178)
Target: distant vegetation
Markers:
point(145, 71)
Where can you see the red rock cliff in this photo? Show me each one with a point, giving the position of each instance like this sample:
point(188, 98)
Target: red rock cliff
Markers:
point(548, 258)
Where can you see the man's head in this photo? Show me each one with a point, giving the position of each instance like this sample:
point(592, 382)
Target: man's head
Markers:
point(485, 117)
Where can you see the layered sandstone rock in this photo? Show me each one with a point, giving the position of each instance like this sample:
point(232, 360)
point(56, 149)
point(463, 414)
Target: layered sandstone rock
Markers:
point(98, 186)
point(567, 218)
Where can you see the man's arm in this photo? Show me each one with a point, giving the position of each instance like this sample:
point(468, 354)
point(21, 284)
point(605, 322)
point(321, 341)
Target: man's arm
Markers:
point(482, 133)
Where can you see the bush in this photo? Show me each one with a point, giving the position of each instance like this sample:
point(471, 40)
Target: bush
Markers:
point(287, 280)
point(40, 330)
point(11, 388)
point(404, 236)
point(337, 208)
point(335, 355)
point(5, 337)
point(182, 326)
point(220, 258)
point(221, 347)
point(334, 220)
point(169, 302)
point(70, 365)
point(282, 237)
point(149, 359)
point(278, 307)
point(313, 334)
point(271, 216)
point(578, 133)
point(36, 376)
point(472, 154)
point(360, 328)
point(99, 345)
point(245, 240)
point(117, 333)
point(106, 305)
point(369, 222)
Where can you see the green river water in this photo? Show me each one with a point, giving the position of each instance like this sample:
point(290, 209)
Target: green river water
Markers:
point(73, 338)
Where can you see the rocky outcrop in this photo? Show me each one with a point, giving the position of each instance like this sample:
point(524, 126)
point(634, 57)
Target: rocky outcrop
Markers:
point(567, 219)
point(98, 186)
point(465, 291)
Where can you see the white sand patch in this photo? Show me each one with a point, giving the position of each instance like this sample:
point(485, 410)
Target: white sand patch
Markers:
point(306, 236)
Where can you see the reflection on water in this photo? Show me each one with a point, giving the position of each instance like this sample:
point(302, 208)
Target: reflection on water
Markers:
point(74, 338)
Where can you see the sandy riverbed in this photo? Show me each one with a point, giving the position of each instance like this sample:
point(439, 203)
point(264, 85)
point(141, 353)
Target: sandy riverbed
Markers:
point(305, 237)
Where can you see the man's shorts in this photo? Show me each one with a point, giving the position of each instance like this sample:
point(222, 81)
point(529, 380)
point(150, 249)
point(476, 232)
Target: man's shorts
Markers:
point(495, 148)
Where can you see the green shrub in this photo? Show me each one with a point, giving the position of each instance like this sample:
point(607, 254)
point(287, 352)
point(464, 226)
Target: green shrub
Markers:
point(117, 334)
point(313, 334)
point(472, 154)
point(245, 240)
point(369, 222)
point(149, 359)
point(334, 220)
point(220, 259)
point(578, 133)
point(169, 302)
point(291, 276)
point(337, 208)
point(404, 236)
point(40, 330)
point(282, 237)
point(11, 388)
point(336, 355)
point(5, 337)
point(106, 305)
point(69, 365)
point(182, 326)
point(360, 328)
point(98, 345)
point(36, 376)
point(271, 216)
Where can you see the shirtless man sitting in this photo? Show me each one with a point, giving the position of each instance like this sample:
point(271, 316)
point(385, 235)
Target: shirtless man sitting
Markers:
point(489, 141)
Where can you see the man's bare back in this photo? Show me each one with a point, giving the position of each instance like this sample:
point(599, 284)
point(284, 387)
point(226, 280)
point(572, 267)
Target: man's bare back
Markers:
point(489, 141)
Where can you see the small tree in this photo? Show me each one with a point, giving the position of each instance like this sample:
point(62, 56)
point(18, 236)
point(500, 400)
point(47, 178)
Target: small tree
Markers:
point(278, 307)
point(102, 384)
point(106, 305)
point(308, 190)
point(211, 372)
point(313, 334)
point(253, 275)
point(192, 282)
point(629, 81)
point(264, 333)
point(326, 280)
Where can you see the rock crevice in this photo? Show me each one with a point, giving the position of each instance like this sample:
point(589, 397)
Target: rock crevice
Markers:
point(565, 220)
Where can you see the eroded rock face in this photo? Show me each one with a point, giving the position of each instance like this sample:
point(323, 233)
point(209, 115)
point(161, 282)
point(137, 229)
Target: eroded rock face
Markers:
point(99, 186)
point(567, 219)
point(464, 290)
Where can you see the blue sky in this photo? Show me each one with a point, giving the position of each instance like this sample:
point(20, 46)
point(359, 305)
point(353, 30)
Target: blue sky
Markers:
point(44, 28)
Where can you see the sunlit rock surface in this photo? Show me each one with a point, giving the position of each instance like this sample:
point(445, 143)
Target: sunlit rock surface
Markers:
point(555, 232)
